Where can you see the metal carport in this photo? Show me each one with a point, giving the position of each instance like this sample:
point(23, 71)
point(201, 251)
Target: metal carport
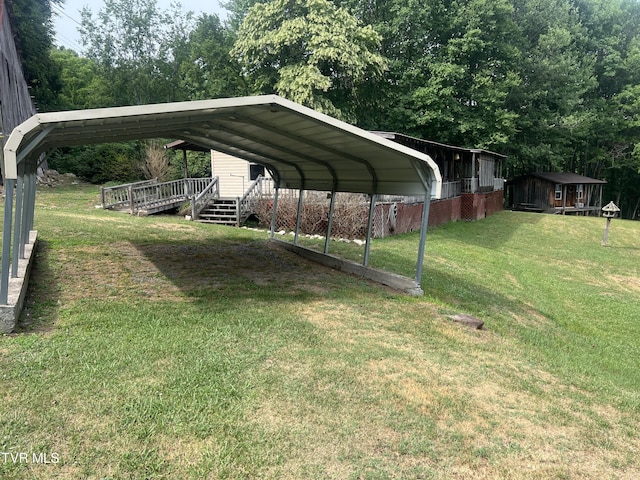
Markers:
point(303, 149)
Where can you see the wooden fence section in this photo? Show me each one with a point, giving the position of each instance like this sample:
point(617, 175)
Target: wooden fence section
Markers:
point(147, 197)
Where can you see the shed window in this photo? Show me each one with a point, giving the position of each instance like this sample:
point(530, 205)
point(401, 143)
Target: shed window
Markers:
point(558, 191)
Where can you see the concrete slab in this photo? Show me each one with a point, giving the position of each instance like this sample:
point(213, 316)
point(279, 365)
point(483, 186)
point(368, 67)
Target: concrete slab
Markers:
point(395, 281)
point(10, 313)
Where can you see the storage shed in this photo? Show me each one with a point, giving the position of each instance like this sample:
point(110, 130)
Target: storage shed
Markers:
point(551, 192)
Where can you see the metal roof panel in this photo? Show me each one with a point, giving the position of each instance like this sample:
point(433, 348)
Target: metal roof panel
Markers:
point(305, 147)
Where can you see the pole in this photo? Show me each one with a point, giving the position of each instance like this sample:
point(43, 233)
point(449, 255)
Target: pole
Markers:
point(275, 213)
point(17, 229)
point(9, 183)
point(299, 217)
point(330, 221)
point(367, 245)
point(423, 237)
point(606, 232)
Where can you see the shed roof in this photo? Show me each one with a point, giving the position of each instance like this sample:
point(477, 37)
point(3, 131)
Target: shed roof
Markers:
point(302, 148)
point(427, 144)
point(566, 178)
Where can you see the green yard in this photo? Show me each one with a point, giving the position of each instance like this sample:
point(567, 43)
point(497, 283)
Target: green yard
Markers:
point(159, 348)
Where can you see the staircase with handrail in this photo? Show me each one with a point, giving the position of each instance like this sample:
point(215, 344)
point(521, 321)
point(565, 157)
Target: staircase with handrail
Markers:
point(150, 196)
point(232, 210)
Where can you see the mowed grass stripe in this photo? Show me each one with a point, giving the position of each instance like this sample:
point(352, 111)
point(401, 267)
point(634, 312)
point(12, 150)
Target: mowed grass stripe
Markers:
point(157, 348)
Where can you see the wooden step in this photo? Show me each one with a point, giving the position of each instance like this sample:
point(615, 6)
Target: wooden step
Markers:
point(221, 211)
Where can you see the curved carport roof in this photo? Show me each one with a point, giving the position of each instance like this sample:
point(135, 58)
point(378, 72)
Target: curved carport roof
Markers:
point(302, 149)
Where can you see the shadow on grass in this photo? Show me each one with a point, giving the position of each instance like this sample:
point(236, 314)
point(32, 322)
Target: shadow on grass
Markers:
point(244, 270)
point(41, 300)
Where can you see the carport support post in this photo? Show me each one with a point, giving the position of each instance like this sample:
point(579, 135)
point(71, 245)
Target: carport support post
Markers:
point(299, 217)
point(19, 222)
point(275, 213)
point(367, 245)
point(30, 197)
point(9, 183)
point(330, 221)
point(423, 237)
point(25, 223)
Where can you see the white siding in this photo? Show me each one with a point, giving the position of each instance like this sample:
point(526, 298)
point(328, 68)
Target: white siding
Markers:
point(233, 173)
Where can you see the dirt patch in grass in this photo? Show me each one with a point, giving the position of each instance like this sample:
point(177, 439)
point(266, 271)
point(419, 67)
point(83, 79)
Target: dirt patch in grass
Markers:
point(172, 271)
point(624, 282)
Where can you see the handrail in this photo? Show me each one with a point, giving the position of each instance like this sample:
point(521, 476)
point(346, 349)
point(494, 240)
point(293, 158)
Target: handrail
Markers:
point(200, 201)
point(146, 196)
point(246, 204)
point(151, 195)
point(118, 195)
point(450, 190)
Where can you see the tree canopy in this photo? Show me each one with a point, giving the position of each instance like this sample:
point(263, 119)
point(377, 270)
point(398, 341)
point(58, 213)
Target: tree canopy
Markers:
point(33, 19)
point(553, 84)
point(308, 51)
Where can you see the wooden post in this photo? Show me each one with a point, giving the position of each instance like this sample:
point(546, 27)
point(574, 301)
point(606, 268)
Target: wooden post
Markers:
point(131, 204)
point(610, 210)
point(606, 232)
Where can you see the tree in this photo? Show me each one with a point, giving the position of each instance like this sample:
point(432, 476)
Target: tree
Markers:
point(207, 70)
point(81, 86)
point(138, 49)
point(464, 73)
point(308, 51)
point(238, 10)
point(35, 40)
point(451, 69)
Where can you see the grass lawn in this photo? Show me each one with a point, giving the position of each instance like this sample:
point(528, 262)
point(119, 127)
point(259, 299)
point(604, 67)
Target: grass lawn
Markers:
point(159, 348)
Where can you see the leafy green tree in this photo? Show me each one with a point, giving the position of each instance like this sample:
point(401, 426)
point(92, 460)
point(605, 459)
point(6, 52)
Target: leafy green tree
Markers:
point(308, 51)
point(138, 49)
point(81, 86)
point(35, 40)
point(208, 71)
point(109, 162)
point(556, 74)
point(452, 68)
point(238, 10)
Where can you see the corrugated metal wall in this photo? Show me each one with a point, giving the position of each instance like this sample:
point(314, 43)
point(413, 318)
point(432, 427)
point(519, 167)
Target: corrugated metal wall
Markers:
point(15, 100)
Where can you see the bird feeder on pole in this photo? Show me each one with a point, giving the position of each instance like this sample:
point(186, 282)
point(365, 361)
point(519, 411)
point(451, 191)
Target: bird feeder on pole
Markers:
point(609, 211)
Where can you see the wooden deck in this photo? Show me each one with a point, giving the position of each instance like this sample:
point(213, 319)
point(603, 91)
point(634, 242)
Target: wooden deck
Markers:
point(150, 196)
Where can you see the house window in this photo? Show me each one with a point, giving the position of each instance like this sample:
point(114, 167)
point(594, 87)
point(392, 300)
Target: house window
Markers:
point(558, 191)
point(255, 170)
point(580, 191)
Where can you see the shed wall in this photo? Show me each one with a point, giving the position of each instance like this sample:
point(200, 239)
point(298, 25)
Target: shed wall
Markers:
point(15, 100)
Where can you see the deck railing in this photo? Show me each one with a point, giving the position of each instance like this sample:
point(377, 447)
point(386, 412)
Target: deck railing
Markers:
point(201, 200)
point(150, 195)
point(450, 189)
point(247, 203)
point(469, 185)
point(120, 195)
